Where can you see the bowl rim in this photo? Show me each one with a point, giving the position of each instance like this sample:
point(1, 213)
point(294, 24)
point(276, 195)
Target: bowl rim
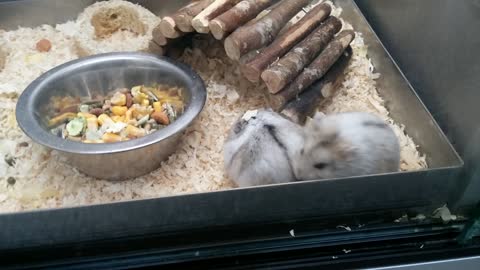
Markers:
point(26, 119)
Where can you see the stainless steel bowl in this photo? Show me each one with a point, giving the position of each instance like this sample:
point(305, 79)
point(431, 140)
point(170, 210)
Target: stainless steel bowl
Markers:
point(100, 74)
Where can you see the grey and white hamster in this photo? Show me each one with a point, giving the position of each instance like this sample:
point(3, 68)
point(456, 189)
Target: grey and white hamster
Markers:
point(346, 144)
point(259, 148)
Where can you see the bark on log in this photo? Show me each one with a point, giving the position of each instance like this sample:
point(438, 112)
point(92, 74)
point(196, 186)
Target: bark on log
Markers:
point(255, 36)
point(156, 49)
point(202, 20)
point(169, 29)
point(158, 36)
point(306, 104)
point(314, 71)
point(237, 16)
point(283, 43)
point(289, 66)
point(183, 18)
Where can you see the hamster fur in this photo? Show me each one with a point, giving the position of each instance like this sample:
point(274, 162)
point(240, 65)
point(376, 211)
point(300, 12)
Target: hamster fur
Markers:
point(258, 151)
point(346, 144)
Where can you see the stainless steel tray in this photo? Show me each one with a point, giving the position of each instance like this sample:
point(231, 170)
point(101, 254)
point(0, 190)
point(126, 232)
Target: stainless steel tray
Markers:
point(418, 190)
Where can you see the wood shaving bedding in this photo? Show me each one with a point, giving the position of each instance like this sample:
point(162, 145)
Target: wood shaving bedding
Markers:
point(44, 180)
point(132, 37)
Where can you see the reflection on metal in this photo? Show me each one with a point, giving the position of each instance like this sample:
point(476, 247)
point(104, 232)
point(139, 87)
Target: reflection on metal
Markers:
point(435, 42)
point(468, 263)
point(472, 229)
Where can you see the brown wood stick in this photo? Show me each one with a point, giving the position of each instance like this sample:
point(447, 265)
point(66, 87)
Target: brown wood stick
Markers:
point(240, 14)
point(314, 71)
point(169, 29)
point(255, 36)
point(183, 18)
point(201, 22)
point(306, 104)
point(277, 76)
point(285, 42)
point(158, 36)
point(156, 49)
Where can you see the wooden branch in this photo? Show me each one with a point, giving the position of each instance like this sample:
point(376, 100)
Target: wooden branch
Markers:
point(237, 16)
point(156, 49)
point(201, 22)
point(262, 33)
point(183, 18)
point(307, 103)
point(288, 67)
point(314, 71)
point(158, 37)
point(169, 29)
point(285, 42)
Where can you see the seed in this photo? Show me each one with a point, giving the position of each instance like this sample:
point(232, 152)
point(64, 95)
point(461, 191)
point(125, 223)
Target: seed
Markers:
point(11, 181)
point(23, 144)
point(129, 102)
point(10, 160)
point(161, 118)
point(96, 111)
point(44, 45)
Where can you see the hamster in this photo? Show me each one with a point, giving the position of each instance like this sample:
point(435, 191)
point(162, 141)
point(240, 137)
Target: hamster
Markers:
point(346, 144)
point(259, 149)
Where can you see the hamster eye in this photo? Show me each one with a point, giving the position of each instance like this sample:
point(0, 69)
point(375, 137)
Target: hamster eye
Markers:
point(321, 165)
point(239, 126)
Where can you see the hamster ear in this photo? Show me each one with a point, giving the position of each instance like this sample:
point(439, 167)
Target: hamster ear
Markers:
point(268, 109)
point(318, 116)
point(329, 137)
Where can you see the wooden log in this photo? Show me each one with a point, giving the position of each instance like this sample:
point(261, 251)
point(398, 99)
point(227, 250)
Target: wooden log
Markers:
point(156, 49)
point(283, 43)
point(183, 18)
point(201, 22)
point(262, 33)
point(319, 93)
point(158, 36)
point(314, 71)
point(289, 66)
point(237, 16)
point(169, 29)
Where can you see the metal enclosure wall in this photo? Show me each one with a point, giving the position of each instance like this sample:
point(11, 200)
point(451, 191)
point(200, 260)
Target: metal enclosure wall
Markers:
point(435, 43)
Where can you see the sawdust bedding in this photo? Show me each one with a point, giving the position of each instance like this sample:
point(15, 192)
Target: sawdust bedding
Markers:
point(42, 179)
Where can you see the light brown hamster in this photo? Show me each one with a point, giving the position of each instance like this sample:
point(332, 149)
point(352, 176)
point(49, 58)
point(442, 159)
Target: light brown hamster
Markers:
point(346, 144)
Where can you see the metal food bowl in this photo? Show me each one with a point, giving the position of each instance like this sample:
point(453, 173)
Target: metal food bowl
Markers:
point(100, 74)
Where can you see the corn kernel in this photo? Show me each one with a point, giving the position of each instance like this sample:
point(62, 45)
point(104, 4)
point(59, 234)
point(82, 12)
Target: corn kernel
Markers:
point(118, 99)
point(102, 118)
point(145, 102)
point(61, 118)
point(117, 118)
point(86, 115)
point(128, 115)
point(134, 132)
point(157, 106)
point(111, 137)
point(119, 110)
point(92, 123)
